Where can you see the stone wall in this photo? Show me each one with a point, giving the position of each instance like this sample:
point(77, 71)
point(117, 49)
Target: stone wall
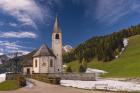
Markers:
point(71, 76)
point(62, 76)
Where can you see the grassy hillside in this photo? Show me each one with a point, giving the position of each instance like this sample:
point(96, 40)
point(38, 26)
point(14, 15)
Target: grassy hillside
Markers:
point(127, 65)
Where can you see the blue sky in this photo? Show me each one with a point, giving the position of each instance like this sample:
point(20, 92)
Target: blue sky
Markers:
point(26, 24)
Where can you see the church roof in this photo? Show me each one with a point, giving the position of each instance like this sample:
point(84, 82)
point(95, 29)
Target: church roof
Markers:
point(44, 51)
point(56, 28)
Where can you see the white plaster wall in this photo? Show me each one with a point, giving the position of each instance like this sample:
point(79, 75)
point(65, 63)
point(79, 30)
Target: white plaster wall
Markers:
point(51, 69)
point(43, 64)
point(25, 70)
point(36, 69)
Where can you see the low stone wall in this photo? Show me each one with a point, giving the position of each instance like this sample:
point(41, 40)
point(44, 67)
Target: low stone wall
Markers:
point(40, 77)
point(82, 76)
point(13, 76)
point(54, 78)
point(46, 78)
point(71, 76)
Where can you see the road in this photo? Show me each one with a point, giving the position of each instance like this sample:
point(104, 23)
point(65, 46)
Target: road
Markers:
point(41, 87)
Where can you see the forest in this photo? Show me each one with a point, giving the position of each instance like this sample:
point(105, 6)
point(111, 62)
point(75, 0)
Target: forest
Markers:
point(104, 48)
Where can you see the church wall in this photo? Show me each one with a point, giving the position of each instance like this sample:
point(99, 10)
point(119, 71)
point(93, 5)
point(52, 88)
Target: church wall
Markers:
point(43, 64)
point(36, 69)
point(51, 69)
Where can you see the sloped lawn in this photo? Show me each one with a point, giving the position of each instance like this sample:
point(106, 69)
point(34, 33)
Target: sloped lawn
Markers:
point(8, 85)
point(127, 65)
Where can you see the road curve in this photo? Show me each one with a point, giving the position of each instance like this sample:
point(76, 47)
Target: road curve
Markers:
point(41, 87)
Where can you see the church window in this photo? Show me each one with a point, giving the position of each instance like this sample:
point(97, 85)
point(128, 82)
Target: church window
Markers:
point(57, 36)
point(36, 63)
point(51, 62)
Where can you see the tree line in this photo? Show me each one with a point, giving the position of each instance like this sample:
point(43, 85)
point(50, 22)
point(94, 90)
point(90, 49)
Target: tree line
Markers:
point(104, 48)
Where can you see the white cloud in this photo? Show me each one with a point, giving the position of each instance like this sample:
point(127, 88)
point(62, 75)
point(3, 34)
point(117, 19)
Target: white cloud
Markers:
point(109, 11)
point(11, 47)
point(13, 24)
point(26, 11)
point(24, 52)
point(18, 35)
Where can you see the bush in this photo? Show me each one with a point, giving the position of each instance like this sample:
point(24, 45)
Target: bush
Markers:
point(82, 68)
point(69, 69)
point(21, 81)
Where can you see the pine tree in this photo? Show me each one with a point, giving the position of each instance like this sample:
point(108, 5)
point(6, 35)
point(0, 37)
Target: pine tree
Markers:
point(82, 69)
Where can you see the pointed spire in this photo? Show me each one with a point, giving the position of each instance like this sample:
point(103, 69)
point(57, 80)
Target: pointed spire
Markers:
point(56, 22)
point(56, 26)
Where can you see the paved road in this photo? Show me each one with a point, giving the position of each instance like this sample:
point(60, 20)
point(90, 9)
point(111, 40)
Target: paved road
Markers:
point(41, 87)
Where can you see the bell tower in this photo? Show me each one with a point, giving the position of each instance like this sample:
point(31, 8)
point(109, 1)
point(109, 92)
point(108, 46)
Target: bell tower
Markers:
point(57, 46)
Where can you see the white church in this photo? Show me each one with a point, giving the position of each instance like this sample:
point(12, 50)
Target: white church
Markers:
point(47, 60)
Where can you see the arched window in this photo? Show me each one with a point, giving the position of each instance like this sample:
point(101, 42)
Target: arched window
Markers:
point(51, 62)
point(35, 62)
point(57, 36)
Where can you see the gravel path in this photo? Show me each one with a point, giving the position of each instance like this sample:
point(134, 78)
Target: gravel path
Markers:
point(41, 87)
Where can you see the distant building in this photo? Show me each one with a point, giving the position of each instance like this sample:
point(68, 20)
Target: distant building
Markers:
point(47, 60)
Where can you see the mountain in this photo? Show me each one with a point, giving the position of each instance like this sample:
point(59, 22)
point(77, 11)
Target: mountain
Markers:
point(67, 48)
point(3, 59)
point(126, 65)
point(3, 62)
point(8, 63)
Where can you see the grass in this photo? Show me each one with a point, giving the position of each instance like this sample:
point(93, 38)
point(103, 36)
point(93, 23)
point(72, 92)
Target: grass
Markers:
point(127, 65)
point(8, 85)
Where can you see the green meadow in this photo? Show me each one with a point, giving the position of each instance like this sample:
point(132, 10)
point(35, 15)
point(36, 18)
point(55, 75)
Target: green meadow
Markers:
point(127, 65)
point(8, 85)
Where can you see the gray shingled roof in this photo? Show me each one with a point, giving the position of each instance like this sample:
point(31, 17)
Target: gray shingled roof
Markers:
point(44, 51)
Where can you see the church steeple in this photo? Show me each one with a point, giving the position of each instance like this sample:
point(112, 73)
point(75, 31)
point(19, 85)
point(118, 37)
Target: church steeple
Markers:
point(57, 45)
point(56, 28)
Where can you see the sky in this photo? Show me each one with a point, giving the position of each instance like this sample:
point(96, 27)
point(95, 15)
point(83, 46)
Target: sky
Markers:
point(26, 24)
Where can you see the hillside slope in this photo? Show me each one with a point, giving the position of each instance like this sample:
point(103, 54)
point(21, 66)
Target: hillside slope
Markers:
point(127, 65)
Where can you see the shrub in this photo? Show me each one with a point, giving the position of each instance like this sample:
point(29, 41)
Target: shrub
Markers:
point(68, 69)
point(21, 81)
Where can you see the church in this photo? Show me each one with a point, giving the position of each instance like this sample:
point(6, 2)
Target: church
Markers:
point(48, 60)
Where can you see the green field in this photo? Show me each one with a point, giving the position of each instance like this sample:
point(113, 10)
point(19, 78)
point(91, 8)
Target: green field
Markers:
point(127, 65)
point(8, 85)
